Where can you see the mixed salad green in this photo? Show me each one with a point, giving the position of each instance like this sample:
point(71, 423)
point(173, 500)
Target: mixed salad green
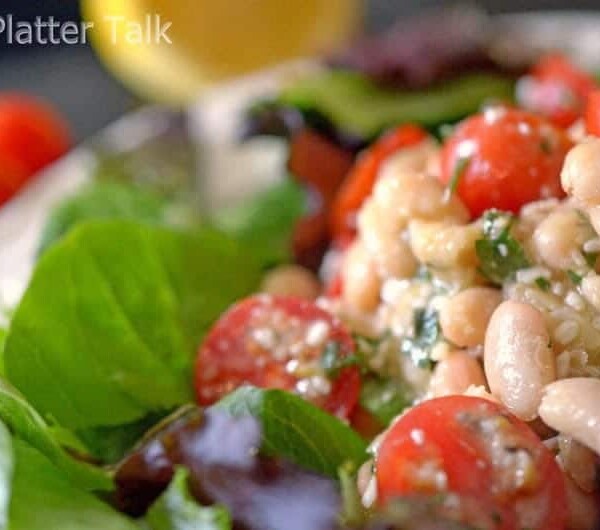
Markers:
point(109, 417)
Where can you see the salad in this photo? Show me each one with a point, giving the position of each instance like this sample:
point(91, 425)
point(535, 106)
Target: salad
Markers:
point(403, 333)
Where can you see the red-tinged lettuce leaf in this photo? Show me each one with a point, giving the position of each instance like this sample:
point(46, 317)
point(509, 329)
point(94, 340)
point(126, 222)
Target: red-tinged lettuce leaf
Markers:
point(226, 466)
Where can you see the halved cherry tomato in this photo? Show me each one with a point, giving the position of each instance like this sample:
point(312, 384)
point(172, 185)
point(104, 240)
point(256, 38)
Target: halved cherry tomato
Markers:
point(557, 89)
point(504, 158)
point(32, 135)
point(365, 423)
point(474, 448)
point(359, 182)
point(592, 113)
point(277, 342)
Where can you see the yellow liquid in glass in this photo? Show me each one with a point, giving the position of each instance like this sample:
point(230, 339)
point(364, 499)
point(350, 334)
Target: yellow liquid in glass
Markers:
point(213, 40)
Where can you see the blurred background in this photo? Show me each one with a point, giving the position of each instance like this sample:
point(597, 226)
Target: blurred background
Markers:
point(73, 78)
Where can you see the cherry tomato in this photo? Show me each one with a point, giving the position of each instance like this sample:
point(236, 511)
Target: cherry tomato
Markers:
point(557, 89)
point(321, 166)
point(592, 113)
point(474, 448)
point(334, 284)
point(32, 135)
point(277, 342)
point(504, 158)
point(359, 182)
point(365, 423)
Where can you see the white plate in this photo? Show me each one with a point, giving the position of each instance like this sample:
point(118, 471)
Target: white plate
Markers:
point(229, 173)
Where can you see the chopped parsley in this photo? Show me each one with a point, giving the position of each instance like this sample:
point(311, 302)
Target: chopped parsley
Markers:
point(446, 130)
point(459, 169)
point(427, 333)
point(574, 277)
point(590, 258)
point(423, 274)
point(500, 254)
point(385, 398)
point(543, 283)
point(333, 363)
point(546, 145)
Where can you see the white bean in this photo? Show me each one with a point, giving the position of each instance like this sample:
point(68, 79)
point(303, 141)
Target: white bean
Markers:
point(444, 245)
point(579, 462)
point(361, 280)
point(395, 259)
point(384, 240)
point(364, 477)
point(518, 359)
point(571, 406)
point(413, 158)
point(580, 175)
point(594, 216)
point(291, 280)
point(560, 236)
point(465, 316)
point(481, 392)
point(582, 507)
point(416, 195)
point(455, 374)
point(373, 222)
point(590, 289)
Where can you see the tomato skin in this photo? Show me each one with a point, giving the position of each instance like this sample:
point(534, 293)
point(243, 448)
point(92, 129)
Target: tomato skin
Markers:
point(359, 182)
point(592, 113)
point(446, 435)
point(230, 356)
point(334, 286)
point(557, 89)
point(513, 157)
point(32, 136)
point(319, 165)
point(365, 423)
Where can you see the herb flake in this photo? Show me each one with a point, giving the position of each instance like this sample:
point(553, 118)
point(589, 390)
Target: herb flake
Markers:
point(427, 333)
point(574, 277)
point(385, 398)
point(459, 169)
point(499, 252)
point(446, 130)
point(590, 258)
point(546, 146)
point(543, 283)
point(333, 362)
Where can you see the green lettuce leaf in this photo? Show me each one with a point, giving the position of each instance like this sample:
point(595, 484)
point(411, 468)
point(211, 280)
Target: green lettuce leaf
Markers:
point(266, 222)
point(110, 199)
point(44, 498)
point(297, 430)
point(357, 105)
point(107, 330)
point(176, 509)
point(3, 334)
point(6, 474)
point(110, 444)
point(26, 424)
